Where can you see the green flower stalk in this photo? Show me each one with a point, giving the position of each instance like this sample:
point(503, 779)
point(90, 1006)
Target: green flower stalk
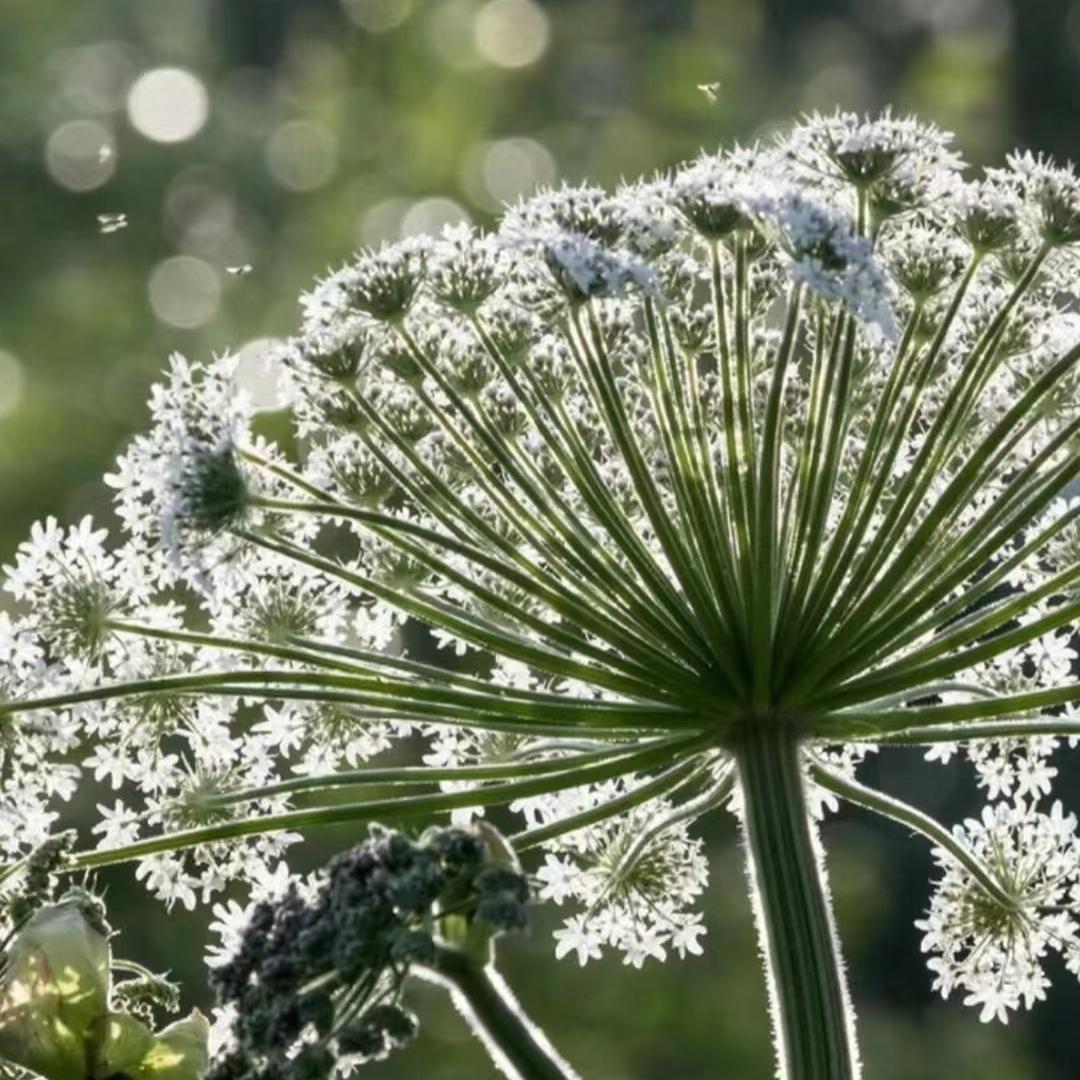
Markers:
point(707, 488)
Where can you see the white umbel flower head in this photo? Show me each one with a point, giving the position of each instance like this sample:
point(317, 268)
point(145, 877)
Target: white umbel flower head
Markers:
point(646, 503)
point(993, 946)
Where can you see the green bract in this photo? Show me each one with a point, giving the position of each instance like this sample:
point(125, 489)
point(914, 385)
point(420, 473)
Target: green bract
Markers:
point(55, 988)
point(55, 1017)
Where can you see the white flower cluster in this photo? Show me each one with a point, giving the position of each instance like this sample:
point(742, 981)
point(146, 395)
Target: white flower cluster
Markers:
point(536, 450)
point(37, 778)
point(994, 946)
point(635, 879)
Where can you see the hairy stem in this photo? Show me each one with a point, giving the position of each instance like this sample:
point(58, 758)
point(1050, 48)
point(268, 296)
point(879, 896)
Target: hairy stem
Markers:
point(895, 810)
point(812, 1023)
point(519, 1048)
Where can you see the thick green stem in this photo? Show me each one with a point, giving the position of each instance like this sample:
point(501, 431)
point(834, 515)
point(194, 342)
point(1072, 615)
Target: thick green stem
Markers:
point(518, 1047)
point(812, 1021)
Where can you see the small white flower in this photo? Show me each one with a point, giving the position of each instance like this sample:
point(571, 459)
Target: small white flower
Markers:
point(577, 936)
point(119, 825)
point(166, 879)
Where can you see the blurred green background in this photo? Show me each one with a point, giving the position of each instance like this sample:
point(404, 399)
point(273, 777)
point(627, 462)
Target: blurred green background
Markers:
point(251, 144)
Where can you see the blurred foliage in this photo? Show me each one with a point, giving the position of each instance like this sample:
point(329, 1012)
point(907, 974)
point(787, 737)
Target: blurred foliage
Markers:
point(332, 123)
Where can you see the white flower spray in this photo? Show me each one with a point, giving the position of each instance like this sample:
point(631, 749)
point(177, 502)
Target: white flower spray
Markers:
point(706, 488)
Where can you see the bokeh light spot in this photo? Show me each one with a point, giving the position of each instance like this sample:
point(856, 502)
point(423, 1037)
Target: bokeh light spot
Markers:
point(184, 291)
point(258, 374)
point(382, 222)
point(203, 218)
point(431, 216)
point(451, 34)
point(95, 78)
point(499, 172)
point(377, 16)
point(12, 382)
point(512, 33)
point(74, 158)
point(168, 105)
point(301, 156)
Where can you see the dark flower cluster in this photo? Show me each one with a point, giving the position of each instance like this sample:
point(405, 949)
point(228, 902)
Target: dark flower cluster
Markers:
point(318, 979)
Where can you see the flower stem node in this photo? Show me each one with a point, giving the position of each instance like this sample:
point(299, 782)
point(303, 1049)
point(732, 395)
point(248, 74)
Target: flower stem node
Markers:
point(214, 491)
